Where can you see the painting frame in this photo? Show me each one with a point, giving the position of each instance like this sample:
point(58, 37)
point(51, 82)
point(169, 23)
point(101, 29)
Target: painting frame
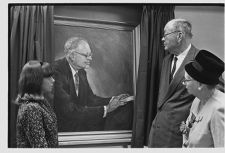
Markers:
point(101, 138)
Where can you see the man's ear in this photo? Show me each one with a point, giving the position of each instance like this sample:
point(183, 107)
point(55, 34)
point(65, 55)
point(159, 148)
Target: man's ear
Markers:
point(180, 36)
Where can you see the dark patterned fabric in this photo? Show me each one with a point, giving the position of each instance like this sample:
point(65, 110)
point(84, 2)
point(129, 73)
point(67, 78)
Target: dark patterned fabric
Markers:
point(36, 123)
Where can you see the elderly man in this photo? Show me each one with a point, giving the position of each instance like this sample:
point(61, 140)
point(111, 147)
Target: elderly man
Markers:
point(76, 106)
point(173, 100)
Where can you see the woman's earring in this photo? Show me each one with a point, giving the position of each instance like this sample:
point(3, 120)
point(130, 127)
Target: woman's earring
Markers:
point(199, 88)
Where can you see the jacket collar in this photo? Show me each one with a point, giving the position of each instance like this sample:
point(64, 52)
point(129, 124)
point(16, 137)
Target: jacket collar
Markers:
point(179, 76)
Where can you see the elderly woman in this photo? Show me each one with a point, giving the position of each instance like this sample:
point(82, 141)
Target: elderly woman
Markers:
point(205, 125)
point(36, 122)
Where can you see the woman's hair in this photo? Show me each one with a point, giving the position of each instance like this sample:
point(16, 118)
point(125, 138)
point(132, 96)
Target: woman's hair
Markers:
point(32, 75)
point(47, 69)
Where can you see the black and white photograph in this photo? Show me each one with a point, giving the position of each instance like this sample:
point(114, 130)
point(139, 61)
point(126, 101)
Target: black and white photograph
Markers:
point(115, 75)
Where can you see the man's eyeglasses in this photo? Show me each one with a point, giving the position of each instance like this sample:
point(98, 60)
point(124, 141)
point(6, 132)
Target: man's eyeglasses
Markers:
point(170, 33)
point(85, 55)
point(186, 80)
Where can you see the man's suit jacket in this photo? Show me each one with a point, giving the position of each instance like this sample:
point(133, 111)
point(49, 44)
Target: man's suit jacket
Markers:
point(76, 113)
point(173, 105)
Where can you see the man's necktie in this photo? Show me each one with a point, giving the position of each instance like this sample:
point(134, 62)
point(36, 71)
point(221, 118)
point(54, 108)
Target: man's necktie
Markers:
point(76, 82)
point(174, 68)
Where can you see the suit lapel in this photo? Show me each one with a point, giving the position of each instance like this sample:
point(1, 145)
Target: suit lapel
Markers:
point(83, 88)
point(82, 76)
point(164, 81)
point(70, 79)
point(179, 76)
point(81, 83)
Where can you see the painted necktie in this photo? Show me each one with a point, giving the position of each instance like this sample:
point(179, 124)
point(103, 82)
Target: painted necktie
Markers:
point(76, 82)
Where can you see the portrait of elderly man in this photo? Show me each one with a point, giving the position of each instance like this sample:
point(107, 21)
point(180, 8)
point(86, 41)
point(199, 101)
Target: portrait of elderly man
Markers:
point(76, 106)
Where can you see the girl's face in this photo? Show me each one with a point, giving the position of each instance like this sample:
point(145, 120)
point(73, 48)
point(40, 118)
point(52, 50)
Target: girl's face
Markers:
point(48, 84)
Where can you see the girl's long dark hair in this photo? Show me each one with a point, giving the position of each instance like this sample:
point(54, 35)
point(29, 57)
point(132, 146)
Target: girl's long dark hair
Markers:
point(31, 78)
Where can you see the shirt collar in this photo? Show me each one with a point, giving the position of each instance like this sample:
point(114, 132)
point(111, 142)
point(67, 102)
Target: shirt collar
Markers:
point(184, 53)
point(72, 69)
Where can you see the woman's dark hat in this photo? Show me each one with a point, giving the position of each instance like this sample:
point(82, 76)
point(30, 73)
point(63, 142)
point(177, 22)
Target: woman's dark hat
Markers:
point(205, 68)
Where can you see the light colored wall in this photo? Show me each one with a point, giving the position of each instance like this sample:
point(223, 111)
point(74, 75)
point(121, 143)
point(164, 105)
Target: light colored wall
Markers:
point(207, 26)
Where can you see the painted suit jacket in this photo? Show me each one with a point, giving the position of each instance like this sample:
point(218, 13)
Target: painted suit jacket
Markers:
point(76, 113)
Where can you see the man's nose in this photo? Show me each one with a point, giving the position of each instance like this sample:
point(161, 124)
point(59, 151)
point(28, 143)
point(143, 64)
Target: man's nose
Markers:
point(52, 79)
point(89, 57)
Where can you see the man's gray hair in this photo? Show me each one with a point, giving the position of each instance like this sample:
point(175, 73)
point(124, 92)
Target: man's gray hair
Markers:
point(72, 43)
point(183, 25)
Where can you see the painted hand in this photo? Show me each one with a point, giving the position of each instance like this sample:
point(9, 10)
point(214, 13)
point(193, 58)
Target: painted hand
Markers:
point(113, 104)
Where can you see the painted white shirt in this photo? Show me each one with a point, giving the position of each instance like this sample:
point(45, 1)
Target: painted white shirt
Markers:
point(76, 71)
point(73, 73)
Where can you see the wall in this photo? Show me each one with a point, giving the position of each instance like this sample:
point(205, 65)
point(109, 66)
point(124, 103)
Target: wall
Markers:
point(208, 26)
